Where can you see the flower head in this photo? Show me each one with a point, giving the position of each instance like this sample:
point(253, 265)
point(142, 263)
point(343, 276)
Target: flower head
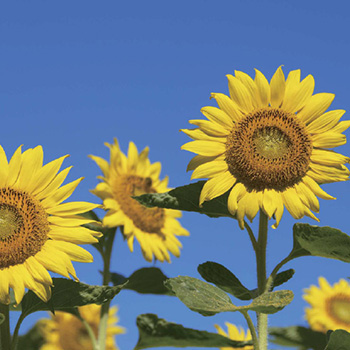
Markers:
point(38, 233)
point(132, 175)
point(235, 334)
point(330, 306)
point(66, 332)
point(268, 144)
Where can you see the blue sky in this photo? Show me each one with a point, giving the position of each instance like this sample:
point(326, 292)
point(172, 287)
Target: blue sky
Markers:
point(77, 74)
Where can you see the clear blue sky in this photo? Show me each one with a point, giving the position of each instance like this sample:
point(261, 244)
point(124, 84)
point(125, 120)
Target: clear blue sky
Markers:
point(75, 74)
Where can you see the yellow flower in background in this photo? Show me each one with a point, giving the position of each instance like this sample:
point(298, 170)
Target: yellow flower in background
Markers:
point(268, 144)
point(37, 231)
point(133, 175)
point(66, 332)
point(330, 306)
point(235, 334)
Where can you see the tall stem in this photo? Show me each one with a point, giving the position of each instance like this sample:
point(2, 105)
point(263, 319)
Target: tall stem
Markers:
point(261, 274)
point(252, 330)
point(102, 331)
point(5, 335)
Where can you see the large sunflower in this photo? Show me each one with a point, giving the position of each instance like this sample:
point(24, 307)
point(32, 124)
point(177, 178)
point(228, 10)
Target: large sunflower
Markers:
point(330, 306)
point(124, 177)
point(235, 334)
point(268, 143)
point(37, 231)
point(66, 332)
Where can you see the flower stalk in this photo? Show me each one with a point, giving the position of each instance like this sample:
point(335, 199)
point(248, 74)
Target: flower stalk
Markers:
point(106, 256)
point(260, 253)
point(5, 336)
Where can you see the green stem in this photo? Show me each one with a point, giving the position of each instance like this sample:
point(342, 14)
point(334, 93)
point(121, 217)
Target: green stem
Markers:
point(91, 334)
point(102, 331)
point(5, 335)
point(251, 236)
point(252, 330)
point(261, 274)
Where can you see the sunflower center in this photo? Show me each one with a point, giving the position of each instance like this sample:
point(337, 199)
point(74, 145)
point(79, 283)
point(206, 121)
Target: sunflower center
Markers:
point(339, 309)
point(149, 220)
point(23, 227)
point(268, 149)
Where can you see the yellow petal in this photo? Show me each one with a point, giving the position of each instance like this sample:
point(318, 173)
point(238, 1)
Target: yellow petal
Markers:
point(102, 163)
point(341, 126)
point(248, 206)
point(239, 94)
point(78, 235)
point(46, 174)
point(205, 148)
point(249, 83)
point(218, 116)
point(198, 134)
point(228, 106)
point(72, 208)
point(277, 87)
point(210, 128)
point(4, 286)
point(38, 271)
point(4, 171)
point(198, 160)
point(133, 156)
point(307, 196)
point(315, 107)
point(263, 88)
point(328, 140)
point(237, 192)
point(216, 187)
point(325, 122)
point(14, 167)
point(297, 94)
point(61, 194)
point(327, 157)
point(209, 170)
point(293, 203)
point(32, 161)
point(315, 188)
point(54, 184)
point(73, 251)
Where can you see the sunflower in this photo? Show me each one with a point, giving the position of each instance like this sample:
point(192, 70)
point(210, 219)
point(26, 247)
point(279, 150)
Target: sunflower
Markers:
point(330, 306)
point(66, 332)
point(37, 231)
point(134, 175)
point(235, 334)
point(268, 144)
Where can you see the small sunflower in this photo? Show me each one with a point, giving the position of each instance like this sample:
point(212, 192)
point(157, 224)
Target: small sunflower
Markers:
point(268, 143)
point(123, 177)
point(330, 306)
point(66, 332)
point(235, 334)
point(37, 231)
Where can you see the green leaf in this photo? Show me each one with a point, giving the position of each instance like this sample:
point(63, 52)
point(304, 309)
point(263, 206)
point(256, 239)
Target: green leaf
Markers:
point(326, 242)
point(156, 332)
point(296, 336)
point(186, 198)
point(200, 296)
point(67, 294)
point(209, 300)
point(338, 340)
point(283, 277)
point(270, 303)
point(224, 279)
point(147, 280)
